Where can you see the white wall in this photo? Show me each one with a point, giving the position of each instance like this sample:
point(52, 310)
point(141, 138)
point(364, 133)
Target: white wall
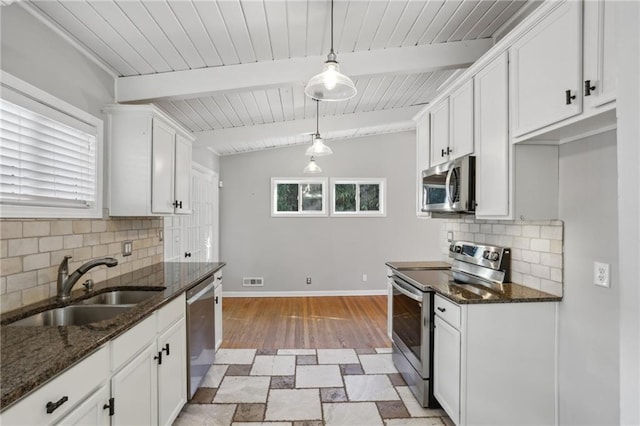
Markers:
point(588, 315)
point(36, 54)
point(335, 252)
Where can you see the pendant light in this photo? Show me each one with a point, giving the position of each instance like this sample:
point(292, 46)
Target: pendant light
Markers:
point(318, 148)
point(330, 84)
point(312, 168)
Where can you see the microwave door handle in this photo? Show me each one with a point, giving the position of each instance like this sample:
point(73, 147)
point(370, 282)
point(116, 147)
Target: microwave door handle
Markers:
point(447, 185)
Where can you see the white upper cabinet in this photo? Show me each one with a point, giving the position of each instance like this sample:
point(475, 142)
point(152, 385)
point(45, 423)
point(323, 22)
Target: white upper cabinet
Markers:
point(546, 70)
point(422, 162)
point(492, 139)
point(149, 162)
point(461, 111)
point(600, 65)
point(439, 120)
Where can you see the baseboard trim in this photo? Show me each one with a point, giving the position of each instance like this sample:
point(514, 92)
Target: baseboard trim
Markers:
point(304, 293)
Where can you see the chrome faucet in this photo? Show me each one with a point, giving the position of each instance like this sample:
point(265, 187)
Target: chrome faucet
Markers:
point(66, 281)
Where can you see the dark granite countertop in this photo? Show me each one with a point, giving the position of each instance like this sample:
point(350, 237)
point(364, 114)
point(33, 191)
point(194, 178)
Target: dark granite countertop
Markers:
point(32, 355)
point(418, 265)
point(442, 283)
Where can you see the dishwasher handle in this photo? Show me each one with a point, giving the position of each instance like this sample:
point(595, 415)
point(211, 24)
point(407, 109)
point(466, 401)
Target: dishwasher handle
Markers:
point(196, 292)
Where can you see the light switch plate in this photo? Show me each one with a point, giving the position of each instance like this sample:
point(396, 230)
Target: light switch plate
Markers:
point(601, 274)
point(450, 236)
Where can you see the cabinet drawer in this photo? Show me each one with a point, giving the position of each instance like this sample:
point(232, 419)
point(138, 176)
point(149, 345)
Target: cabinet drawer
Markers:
point(133, 341)
point(171, 313)
point(75, 384)
point(448, 311)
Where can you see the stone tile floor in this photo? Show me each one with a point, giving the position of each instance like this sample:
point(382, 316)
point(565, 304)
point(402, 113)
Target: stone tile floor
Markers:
point(306, 387)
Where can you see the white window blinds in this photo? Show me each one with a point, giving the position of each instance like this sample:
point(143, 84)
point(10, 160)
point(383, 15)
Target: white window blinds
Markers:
point(44, 161)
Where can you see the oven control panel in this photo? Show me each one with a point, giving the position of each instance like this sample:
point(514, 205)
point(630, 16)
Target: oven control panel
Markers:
point(498, 258)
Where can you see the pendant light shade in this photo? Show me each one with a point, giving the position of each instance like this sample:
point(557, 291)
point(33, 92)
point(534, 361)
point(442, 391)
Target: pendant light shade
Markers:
point(312, 168)
point(330, 84)
point(318, 148)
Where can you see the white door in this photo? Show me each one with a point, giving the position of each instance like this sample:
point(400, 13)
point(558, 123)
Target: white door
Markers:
point(135, 390)
point(446, 368)
point(546, 65)
point(183, 175)
point(600, 64)
point(92, 411)
point(172, 373)
point(439, 121)
point(492, 139)
point(461, 121)
point(162, 177)
point(217, 294)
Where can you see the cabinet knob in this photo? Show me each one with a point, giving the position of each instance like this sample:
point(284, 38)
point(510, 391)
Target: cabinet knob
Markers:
point(588, 88)
point(166, 349)
point(177, 204)
point(449, 150)
point(159, 358)
point(111, 406)
point(441, 309)
point(443, 152)
point(187, 254)
point(53, 406)
point(568, 97)
point(216, 300)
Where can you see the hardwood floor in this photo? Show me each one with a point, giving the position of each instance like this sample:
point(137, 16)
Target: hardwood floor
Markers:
point(305, 322)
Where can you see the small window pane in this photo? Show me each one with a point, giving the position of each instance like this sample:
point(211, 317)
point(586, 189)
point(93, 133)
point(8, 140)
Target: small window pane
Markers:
point(312, 197)
point(345, 197)
point(369, 197)
point(287, 197)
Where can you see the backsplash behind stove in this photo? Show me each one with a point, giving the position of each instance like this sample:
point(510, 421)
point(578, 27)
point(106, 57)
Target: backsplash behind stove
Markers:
point(537, 247)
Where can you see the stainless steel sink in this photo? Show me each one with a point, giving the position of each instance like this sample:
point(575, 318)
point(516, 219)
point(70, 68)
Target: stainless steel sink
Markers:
point(120, 297)
point(72, 315)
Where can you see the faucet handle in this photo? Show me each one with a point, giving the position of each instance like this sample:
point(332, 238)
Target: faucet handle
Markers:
point(88, 285)
point(64, 265)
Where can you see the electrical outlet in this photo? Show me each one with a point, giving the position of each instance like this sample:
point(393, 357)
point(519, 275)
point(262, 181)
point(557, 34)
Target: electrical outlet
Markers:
point(364, 278)
point(601, 274)
point(127, 248)
point(450, 236)
point(308, 280)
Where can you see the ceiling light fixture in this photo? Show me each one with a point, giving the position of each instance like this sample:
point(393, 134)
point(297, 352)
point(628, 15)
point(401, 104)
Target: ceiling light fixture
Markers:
point(330, 84)
point(312, 168)
point(318, 149)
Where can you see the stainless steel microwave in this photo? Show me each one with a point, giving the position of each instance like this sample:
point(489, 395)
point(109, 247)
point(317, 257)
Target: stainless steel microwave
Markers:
point(450, 187)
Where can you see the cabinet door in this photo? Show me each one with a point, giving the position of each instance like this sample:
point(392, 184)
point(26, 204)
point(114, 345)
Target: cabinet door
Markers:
point(545, 63)
point(217, 294)
point(183, 175)
point(600, 64)
point(492, 139)
point(92, 411)
point(135, 390)
point(439, 122)
point(422, 156)
point(162, 158)
point(172, 373)
point(461, 104)
point(446, 368)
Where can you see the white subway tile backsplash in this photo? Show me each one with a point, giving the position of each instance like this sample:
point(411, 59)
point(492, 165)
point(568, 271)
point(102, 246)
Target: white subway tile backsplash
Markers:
point(31, 251)
point(536, 247)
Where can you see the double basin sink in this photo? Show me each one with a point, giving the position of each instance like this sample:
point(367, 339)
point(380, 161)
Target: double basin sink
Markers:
point(97, 308)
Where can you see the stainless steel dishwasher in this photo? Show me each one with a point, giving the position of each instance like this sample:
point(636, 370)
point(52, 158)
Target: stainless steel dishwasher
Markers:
point(201, 331)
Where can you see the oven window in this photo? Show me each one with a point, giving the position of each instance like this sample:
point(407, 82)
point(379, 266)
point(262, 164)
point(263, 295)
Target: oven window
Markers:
point(407, 322)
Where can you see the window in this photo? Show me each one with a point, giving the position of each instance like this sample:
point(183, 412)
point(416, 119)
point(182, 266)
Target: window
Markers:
point(298, 197)
point(358, 197)
point(49, 155)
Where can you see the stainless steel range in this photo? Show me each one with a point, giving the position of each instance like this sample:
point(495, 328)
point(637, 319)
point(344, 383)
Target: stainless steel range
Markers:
point(412, 311)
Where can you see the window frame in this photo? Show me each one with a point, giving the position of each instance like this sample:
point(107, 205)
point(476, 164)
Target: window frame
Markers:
point(299, 181)
point(381, 182)
point(22, 88)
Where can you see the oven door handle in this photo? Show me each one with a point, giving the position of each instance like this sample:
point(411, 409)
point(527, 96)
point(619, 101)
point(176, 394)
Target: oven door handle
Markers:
point(410, 295)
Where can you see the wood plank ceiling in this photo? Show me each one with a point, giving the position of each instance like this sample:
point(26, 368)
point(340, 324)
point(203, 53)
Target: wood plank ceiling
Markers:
point(155, 49)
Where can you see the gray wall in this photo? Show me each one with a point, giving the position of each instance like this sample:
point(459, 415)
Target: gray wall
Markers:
point(589, 315)
point(335, 252)
point(36, 54)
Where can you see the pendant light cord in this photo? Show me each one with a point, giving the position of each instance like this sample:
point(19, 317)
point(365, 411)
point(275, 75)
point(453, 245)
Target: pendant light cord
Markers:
point(318, 116)
point(332, 26)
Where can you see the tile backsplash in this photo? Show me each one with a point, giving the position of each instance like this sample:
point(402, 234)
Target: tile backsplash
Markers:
point(536, 247)
point(32, 249)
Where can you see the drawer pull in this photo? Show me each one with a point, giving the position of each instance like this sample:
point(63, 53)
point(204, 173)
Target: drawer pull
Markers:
point(53, 406)
point(441, 309)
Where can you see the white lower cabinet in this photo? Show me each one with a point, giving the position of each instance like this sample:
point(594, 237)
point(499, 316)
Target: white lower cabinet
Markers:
point(93, 411)
point(172, 373)
point(495, 363)
point(217, 294)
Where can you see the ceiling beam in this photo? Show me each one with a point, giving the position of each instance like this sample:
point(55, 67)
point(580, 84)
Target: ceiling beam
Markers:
point(255, 75)
point(216, 139)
